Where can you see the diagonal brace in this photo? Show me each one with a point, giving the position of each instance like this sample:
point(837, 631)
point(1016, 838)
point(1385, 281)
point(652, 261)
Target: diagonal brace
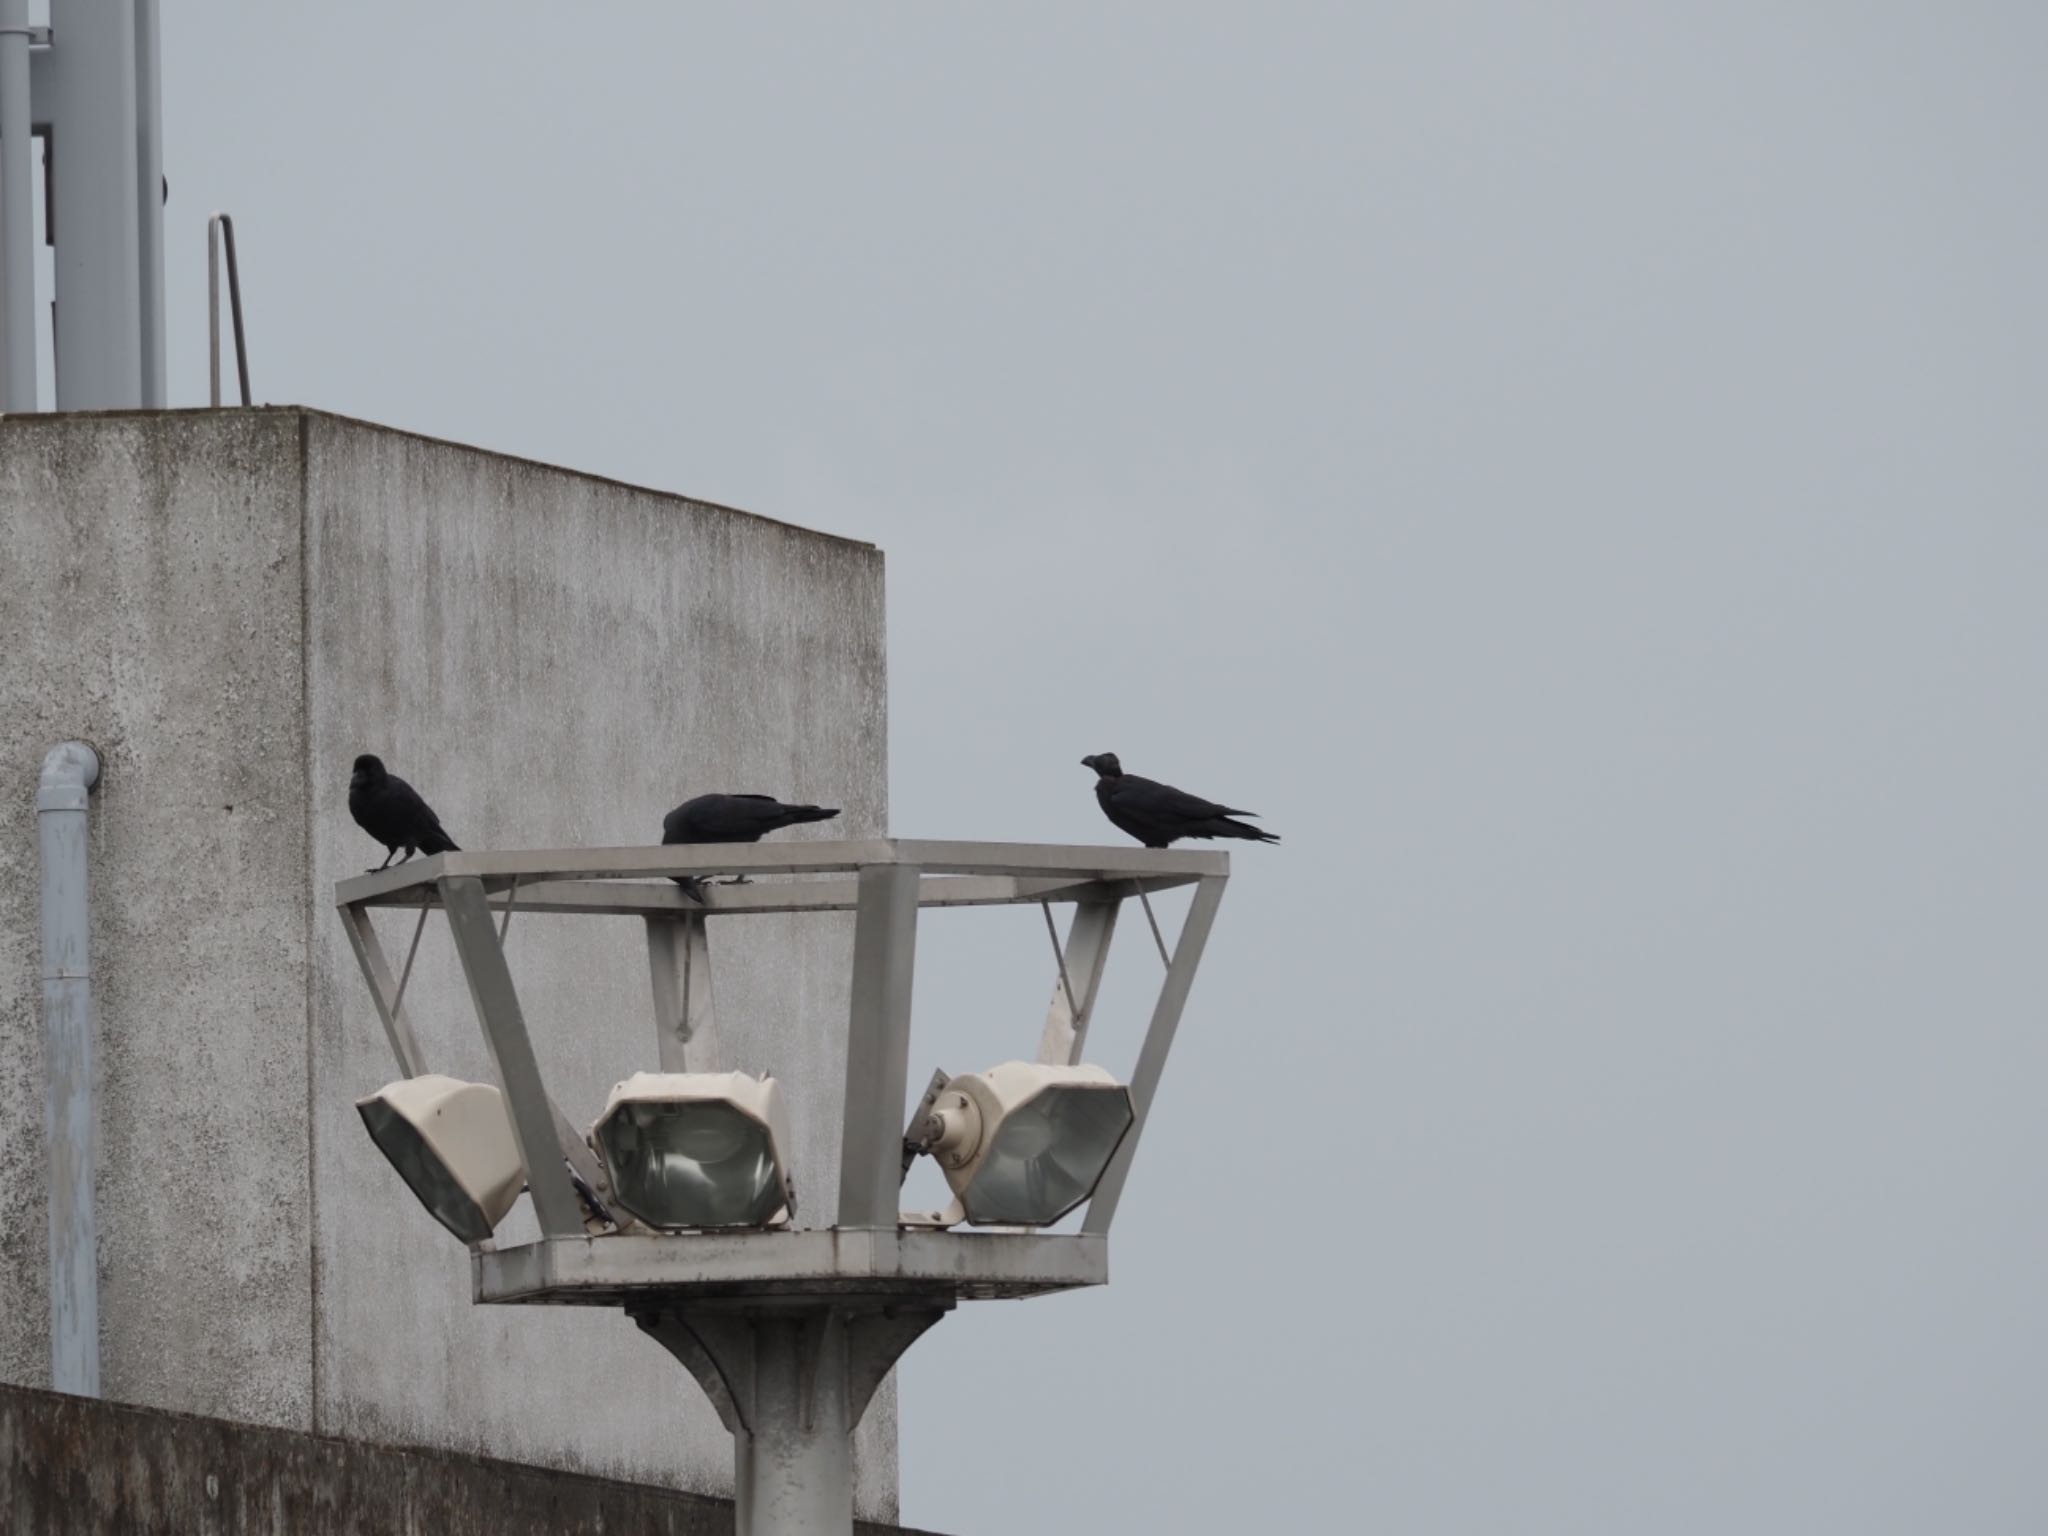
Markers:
point(532, 1113)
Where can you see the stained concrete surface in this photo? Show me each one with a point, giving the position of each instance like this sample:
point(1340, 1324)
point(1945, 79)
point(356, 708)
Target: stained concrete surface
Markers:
point(231, 606)
point(151, 602)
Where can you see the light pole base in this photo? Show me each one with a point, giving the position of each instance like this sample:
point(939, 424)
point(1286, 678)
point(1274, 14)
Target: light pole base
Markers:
point(791, 1381)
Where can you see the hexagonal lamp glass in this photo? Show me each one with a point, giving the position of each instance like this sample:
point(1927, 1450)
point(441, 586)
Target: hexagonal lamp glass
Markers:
point(688, 1150)
point(452, 1144)
point(1022, 1144)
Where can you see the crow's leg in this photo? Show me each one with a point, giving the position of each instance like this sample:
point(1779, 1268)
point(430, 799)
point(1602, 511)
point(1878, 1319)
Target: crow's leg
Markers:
point(737, 880)
point(385, 865)
point(410, 850)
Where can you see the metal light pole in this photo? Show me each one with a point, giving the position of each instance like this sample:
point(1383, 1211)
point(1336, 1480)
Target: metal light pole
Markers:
point(789, 1332)
point(17, 211)
point(92, 83)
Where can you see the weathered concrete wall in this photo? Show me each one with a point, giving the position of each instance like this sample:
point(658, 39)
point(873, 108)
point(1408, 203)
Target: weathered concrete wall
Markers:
point(71, 1467)
point(554, 660)
point(151, 602)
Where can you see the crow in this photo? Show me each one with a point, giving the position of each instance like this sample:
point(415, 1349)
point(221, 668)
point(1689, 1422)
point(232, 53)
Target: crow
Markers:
point(391, 811)
point(732, 819)
point(1158, 814)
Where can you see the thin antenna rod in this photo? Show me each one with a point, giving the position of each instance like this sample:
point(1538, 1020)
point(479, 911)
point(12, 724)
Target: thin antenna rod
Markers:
point(220, 227)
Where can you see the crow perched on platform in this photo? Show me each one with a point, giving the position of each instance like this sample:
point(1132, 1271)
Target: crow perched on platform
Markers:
point(1158, 814)
point(391, 811)
point(732, 819)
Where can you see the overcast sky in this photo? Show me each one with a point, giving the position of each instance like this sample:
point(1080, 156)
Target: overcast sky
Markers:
point(1578, 470)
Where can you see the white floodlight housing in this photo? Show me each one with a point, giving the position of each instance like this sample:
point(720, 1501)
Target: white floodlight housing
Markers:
point(1022, 1144)
point(452, 1143)
point(690, 1150)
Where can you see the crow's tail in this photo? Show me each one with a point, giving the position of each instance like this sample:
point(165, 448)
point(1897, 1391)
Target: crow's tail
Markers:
point(438, 841)
point(1227, 827)
point(794, 814)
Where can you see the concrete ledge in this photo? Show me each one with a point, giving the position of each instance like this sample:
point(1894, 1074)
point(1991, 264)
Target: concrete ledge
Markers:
point(73, 1466)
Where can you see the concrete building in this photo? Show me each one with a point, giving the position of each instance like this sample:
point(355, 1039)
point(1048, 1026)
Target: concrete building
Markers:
point(230, 606)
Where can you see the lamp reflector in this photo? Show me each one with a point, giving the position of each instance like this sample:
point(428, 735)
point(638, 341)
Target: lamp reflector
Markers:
point(452, 1144)
point(1022, 1144)
point(697, 1149)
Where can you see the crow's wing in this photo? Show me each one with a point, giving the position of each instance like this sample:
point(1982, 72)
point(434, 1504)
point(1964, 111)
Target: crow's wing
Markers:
point(694, 820)
point(409, 808)
point(721, 819)
point(1148, 797)
point(750, 815)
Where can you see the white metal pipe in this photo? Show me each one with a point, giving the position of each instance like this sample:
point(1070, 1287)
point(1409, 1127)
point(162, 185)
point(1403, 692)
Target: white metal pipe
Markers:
point(149, 170)
point(17, 217)
point(70, 770)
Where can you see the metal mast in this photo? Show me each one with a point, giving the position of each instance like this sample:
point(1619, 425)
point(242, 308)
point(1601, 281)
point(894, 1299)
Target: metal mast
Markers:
point(89, 84)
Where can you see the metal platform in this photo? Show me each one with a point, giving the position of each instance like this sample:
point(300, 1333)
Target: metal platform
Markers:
point(592, 881)
point(708, 1270)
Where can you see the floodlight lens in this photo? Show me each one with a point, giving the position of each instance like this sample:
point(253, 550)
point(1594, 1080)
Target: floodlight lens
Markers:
point(695, 1164)
point(1048, 1155)
point(427, 1176)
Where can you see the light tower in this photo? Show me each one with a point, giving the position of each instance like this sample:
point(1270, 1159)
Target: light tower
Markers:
point(678, 1205)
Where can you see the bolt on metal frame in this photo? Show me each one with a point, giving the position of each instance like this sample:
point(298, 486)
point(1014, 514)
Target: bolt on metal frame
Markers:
point(788, 1331)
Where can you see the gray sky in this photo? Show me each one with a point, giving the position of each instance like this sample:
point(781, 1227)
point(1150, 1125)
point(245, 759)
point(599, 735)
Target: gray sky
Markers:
point(1578, 470)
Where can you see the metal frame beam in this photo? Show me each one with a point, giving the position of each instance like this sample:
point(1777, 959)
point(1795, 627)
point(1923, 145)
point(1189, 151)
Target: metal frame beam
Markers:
point(1173, 997)
point(685, 1025)
point(532, 1113)
point(1087, 956)
point(362, 938)
point(878, 1046)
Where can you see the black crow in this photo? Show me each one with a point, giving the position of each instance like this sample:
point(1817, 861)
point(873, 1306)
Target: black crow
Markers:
point(1158, 814)
point(732, 819)
point(391, 811)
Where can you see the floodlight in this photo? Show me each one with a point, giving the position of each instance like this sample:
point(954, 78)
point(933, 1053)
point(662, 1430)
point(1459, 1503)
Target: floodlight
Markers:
point(1022, 1144)
point(697, 1149)
point(451, 1142)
